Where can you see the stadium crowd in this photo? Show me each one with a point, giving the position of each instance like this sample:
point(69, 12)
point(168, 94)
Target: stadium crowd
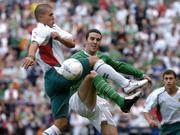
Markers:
point(145, 34)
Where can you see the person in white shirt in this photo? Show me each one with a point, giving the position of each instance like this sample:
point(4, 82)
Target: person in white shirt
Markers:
point(167, 101)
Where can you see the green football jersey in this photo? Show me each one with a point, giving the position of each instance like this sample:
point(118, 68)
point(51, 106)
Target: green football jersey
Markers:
point(119, 66)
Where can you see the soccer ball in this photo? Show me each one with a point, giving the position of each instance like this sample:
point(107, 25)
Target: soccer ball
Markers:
point(71, 69)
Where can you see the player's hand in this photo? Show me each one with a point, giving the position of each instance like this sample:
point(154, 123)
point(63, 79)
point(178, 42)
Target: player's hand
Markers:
point(93, 73)
point(28, 61)
point(149, 80)
point(153, 123)
point(55, 35)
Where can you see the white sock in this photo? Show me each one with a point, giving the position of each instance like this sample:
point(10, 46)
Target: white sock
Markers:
point(53, 130)
point(108, 72)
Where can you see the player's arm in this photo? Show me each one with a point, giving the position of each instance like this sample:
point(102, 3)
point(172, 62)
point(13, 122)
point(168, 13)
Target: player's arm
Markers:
point(68, 42)
point(63, 37)
point(124, 68)
point(127, 69)
point(121, 67)
point(30, 59)
point(151, 122)
point(150, 103)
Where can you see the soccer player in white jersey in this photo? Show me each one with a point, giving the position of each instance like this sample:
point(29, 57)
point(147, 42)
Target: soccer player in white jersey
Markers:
point(47, 40)
point(46, 45)
point(167, 100)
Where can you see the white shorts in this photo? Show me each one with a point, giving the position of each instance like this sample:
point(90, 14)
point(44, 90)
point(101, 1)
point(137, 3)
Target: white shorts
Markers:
point(100, 113)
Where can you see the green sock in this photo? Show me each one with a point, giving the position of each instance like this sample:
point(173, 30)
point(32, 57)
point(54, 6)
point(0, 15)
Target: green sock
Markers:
point(105, 89)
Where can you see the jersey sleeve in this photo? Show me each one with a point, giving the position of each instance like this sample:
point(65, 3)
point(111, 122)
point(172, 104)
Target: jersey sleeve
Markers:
point(150, 102)
point(120, 66)
point(62, 33)
point(40, 36)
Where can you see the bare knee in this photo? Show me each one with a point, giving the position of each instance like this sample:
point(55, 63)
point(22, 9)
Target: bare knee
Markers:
point(61, 123)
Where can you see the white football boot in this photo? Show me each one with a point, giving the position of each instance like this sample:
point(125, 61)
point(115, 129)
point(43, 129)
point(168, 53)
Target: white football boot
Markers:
point(134, 85)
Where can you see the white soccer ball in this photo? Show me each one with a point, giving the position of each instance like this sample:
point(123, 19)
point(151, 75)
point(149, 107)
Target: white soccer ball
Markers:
point(71, 69)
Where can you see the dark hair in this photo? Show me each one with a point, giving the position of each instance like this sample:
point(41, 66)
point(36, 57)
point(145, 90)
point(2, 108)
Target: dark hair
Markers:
point(169, 71)
point(92, 30)
point(40, 10)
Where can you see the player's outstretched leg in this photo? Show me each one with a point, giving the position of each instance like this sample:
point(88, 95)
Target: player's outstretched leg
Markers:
point(125, 103)
point(109, 73)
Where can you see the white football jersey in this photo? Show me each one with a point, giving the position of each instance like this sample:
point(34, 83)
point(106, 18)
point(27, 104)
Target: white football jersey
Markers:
point(169, 105)
point(50, 51)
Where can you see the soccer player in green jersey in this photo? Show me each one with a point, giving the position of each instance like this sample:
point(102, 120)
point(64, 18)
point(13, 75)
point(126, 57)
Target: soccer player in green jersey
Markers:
point(85, 100)
point(93, 41)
